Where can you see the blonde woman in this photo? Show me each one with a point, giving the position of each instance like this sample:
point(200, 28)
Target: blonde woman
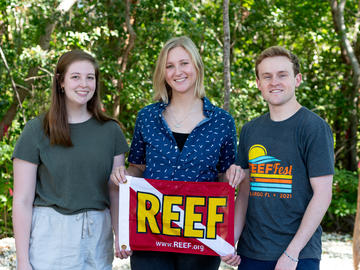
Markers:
point(181, 137)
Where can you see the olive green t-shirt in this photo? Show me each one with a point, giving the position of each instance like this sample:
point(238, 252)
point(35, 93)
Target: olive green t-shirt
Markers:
point(72, 179)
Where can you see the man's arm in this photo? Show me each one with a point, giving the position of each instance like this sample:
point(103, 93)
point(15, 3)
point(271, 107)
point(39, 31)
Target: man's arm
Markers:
point(241, 204)
point(315, 211)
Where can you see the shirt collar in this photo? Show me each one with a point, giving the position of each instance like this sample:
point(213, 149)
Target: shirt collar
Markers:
point(208, 107)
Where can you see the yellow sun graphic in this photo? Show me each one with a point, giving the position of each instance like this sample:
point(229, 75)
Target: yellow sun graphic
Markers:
point(257, 150)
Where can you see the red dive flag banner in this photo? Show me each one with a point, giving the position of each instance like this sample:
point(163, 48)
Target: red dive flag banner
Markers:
point(176, 216)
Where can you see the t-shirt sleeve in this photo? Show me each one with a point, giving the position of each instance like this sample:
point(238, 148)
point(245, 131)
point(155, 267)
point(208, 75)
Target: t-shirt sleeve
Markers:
point(137, 153)
point(27, 146)
point(242, 156)
point(319, 150)
point(228, 148)
point(121, 145)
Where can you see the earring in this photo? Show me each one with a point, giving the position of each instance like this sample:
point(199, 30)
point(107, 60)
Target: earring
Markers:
point(62, 90)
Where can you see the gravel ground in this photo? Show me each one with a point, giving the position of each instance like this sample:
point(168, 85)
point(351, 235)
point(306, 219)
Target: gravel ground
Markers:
point(337, 254)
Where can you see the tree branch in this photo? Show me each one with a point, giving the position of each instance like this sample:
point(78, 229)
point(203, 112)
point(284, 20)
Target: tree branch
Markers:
point(130, 42)
point(11, 78)
point(7, 119)
point(338, 13)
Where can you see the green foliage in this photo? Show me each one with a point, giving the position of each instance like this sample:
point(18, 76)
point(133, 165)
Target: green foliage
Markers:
point(99, 27)
point(340, 216)
point(6, 185)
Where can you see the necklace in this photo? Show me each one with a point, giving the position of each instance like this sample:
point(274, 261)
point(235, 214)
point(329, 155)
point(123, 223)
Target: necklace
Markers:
point(177, 123)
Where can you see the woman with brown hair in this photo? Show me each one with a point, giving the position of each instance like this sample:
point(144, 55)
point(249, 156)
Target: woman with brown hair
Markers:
point(62, 163)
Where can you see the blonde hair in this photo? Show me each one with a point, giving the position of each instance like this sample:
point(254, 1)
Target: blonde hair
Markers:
point(162, 89)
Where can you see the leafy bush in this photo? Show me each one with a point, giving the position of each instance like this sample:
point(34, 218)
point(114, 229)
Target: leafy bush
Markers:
point(7, 144)
point(6, 183)
point(340, 216)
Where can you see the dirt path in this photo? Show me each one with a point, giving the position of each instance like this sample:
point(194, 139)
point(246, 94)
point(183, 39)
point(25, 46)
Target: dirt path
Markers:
point(337, 254)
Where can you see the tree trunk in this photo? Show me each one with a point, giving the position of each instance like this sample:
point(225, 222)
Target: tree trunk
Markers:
point(9, 116)
point(349, 56)
point(356, 234)
point(337, 8)
point(226, 57)
point(130, 42)
point(353, 126)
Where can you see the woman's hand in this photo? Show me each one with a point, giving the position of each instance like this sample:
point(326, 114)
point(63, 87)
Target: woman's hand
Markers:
point(118, 175)
point(231, 259)
point(234, 175)
point(119, 252)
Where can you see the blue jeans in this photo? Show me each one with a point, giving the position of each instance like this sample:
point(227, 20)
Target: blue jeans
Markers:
point(152, 260)
point(251, 264)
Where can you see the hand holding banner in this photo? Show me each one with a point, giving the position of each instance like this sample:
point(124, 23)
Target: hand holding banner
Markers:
point(176, 216)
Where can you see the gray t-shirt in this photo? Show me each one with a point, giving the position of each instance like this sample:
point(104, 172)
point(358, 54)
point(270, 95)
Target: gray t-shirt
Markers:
point(281, 158)
point(72, 179)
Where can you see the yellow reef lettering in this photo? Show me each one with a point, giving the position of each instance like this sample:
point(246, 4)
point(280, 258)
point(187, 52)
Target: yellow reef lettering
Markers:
point(148, 214)
point(213, 216)
point(168, 215)
point(149, 207)
point(192, 217)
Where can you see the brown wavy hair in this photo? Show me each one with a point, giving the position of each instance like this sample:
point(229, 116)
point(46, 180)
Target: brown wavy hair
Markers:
point(55, 122)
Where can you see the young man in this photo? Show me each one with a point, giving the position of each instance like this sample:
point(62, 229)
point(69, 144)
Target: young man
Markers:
point(288, 158)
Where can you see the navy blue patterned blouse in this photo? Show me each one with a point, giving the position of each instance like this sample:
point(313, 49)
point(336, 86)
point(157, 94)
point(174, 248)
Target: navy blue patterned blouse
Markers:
point(210, 148)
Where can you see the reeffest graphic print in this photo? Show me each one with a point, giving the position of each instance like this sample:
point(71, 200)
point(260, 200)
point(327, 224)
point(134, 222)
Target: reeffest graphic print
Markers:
point(268, 177)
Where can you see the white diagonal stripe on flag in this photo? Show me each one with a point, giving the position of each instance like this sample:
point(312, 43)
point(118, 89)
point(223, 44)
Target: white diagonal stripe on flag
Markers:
point(218, 245)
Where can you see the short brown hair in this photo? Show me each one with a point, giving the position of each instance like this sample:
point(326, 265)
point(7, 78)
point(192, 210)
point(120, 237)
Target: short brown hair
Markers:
point(278, 51)
point(162, 90)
